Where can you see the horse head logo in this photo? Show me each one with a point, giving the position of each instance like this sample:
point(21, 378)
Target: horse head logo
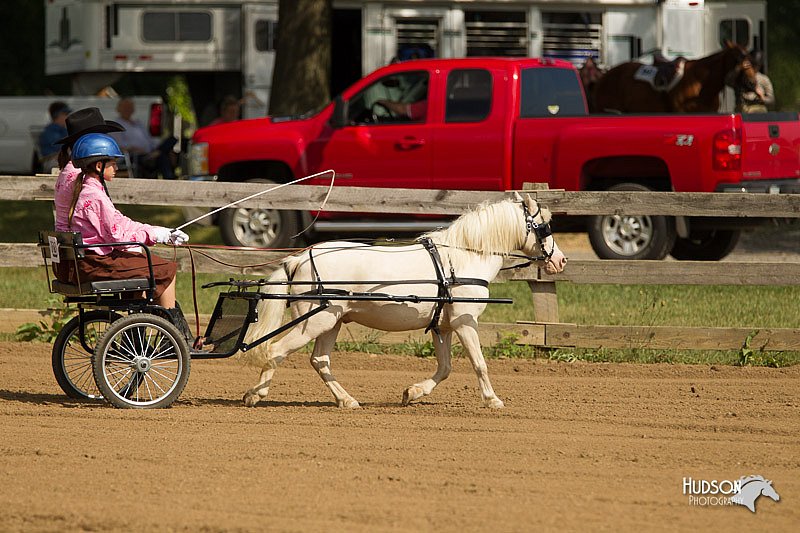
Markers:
point(751, 488)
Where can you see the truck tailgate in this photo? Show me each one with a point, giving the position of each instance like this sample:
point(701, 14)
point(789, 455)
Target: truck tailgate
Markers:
point(770, 146)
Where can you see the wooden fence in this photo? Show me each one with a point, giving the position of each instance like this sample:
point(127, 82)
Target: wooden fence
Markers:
point(544, 329)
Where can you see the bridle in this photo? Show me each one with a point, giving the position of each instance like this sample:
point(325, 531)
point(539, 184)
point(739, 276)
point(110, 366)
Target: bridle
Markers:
point(540, 231)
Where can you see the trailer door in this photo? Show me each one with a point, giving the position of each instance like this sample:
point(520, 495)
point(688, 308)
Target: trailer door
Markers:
point(259, 35)
point(741, 22)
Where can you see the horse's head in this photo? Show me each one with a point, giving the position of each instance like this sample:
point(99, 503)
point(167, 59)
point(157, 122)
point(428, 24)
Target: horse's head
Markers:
point(739, 67)
point(769, 491)
point(539, 243)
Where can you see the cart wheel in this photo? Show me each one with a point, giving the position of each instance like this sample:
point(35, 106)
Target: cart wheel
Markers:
point(142, 362)
point(72, 364)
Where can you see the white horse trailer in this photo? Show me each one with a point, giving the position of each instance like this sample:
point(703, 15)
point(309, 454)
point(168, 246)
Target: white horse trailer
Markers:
point(227, 46)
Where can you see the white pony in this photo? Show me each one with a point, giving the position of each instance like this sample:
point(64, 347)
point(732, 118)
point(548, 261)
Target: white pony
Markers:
point(472, 247)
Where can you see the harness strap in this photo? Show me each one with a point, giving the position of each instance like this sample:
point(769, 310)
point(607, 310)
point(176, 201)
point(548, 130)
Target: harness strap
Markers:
point(444, 286)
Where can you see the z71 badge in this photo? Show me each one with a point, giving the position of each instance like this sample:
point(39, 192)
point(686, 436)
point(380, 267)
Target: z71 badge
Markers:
point(684, 140)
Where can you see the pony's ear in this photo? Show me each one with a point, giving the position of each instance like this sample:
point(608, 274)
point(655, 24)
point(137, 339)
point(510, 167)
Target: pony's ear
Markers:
point(517, 197)
point(729, 43)
point(530, 203)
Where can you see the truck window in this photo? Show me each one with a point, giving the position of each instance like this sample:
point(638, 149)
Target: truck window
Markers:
point(548, 92)
point(397, 98)
point(469, 95)
point(176, 26)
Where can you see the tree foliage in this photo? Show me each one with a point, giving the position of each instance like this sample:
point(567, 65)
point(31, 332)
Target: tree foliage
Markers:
point(783, 52)
point(301, 77)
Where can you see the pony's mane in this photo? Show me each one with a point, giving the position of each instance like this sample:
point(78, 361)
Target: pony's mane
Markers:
point(490, 229)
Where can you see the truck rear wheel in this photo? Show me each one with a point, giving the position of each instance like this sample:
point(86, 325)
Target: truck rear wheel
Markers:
point(706, 245)
point(631, 236)
point(261, 228)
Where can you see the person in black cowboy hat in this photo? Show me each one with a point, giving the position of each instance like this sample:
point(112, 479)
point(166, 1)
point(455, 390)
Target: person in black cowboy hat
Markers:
point(79, 123)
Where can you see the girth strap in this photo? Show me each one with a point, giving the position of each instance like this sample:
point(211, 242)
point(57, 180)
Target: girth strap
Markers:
point(444, 286)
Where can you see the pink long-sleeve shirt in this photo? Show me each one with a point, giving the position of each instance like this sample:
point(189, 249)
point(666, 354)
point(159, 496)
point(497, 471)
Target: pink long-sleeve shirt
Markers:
point(95, 215)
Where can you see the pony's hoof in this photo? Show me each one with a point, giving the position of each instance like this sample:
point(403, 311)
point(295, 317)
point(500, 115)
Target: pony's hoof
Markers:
point(494, 403)
point(250, 399)
point(412, 393)
point(348, 403)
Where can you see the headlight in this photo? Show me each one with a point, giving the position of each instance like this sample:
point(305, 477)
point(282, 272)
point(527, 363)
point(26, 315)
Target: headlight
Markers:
point(198, 159)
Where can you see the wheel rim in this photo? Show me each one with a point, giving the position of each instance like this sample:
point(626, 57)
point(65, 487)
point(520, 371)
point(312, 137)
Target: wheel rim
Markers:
point(142, 364)
point(256, 227)
point(627, 235)
point(77, 362)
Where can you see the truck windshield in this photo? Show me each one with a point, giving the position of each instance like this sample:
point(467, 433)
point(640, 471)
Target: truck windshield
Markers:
point(548, 92)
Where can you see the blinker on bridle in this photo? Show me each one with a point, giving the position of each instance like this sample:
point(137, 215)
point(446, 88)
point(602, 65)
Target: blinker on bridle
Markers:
point(542, 231)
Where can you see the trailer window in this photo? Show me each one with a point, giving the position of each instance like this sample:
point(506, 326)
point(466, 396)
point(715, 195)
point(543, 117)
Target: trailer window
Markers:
point(176, 26)
point(266, 34)
point(469, 95)
point(736, 30)
point(548, 92)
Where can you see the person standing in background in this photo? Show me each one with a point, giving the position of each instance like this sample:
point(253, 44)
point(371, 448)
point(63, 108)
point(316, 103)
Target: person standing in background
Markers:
point(147, 154)
point(55, 130)
point(763, 97)
point(228, 110)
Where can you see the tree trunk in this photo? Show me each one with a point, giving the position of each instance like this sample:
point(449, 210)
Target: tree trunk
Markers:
point(301, 77)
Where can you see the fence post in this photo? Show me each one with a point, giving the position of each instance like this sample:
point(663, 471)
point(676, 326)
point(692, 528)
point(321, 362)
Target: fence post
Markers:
point(545, 300)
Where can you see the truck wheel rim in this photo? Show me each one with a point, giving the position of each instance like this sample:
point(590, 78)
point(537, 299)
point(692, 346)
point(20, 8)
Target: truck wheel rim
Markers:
point(256, 227)
point(142, 364)
point(627, 235)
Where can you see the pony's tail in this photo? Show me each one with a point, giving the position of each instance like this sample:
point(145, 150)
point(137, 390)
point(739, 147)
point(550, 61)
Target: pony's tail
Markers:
point(270, 317)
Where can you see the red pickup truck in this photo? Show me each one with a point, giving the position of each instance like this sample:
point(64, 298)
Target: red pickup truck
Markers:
point(494, 124)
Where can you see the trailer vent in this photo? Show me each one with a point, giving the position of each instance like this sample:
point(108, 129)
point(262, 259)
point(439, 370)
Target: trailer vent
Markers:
point(417, 37)
point(496, 33)
point(572, 36)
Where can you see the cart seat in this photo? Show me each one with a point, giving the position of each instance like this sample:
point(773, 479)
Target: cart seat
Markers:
point(100, 287)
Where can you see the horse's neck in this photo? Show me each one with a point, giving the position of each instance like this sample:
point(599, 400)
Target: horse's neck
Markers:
point(709, 71)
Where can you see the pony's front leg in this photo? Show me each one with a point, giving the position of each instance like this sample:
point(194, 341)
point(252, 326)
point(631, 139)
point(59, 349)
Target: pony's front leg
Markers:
point(321, 361)
point(466, 327)
point(443, 367)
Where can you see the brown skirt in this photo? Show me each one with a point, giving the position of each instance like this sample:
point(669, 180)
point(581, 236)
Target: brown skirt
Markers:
point(119, 264)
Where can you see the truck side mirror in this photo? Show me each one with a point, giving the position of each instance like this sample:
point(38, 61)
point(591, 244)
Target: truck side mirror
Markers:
point(339, 116)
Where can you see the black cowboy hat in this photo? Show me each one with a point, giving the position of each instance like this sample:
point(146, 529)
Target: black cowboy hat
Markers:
point(87, 120)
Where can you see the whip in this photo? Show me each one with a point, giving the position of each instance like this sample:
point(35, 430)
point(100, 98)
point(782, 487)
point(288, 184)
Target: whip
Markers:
point(275, 188)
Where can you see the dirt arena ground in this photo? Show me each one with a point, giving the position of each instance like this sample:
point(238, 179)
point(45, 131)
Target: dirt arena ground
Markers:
point(578, 446)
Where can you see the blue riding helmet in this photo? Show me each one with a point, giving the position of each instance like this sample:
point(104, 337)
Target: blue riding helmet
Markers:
point(94, 147)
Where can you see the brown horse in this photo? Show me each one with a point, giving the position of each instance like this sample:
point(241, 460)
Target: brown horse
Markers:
point(696, 92)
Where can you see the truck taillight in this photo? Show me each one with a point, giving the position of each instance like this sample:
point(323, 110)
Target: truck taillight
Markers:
point(727, 150)
point(198, 159)
point(156, 115)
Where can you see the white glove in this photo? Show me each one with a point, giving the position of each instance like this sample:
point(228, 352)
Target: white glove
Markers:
point(161, 235)
point(170, 236)
point(177, 237)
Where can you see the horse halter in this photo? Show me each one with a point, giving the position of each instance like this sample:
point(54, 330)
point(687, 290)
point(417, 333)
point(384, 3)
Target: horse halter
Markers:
point(541, 231)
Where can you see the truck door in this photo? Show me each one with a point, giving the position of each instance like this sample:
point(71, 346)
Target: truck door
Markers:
point(259, 36)
point(471, 151)
point(386, 141)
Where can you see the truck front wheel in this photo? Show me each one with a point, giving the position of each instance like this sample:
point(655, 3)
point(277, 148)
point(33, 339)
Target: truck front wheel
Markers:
point(260, 228)
point(631, 236)
point(706, 245)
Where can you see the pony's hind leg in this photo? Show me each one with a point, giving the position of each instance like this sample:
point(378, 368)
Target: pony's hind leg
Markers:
point(296, 338)
point(321, 361)
point(443, 367)
point(466, 327)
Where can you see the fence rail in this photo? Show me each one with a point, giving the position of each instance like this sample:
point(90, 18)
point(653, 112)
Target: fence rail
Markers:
point(545, 329)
